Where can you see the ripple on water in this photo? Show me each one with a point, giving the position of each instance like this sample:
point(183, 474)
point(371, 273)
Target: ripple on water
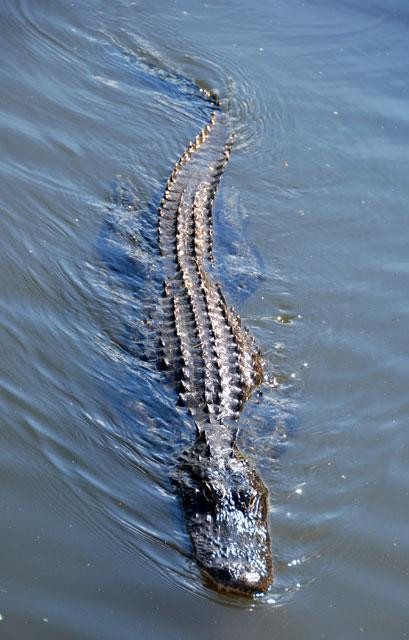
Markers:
point(89, 424)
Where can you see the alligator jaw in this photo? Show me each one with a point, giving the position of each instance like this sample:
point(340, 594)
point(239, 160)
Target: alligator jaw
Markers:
point(242, 564)
point(236, 581)
point(248, 576)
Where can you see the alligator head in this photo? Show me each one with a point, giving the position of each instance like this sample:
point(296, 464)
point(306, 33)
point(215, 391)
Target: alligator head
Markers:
point(226, 507)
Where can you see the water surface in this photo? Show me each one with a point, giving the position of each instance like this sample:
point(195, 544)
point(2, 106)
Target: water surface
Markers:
point(311, 246)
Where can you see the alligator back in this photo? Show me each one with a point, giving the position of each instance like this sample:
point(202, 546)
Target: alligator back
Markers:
point(213, 359)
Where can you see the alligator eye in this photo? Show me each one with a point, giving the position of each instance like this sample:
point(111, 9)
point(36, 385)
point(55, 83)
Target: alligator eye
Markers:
point(208, 492)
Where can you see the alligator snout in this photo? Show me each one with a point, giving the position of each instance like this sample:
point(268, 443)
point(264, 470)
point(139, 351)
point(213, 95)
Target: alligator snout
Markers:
point(239, 578)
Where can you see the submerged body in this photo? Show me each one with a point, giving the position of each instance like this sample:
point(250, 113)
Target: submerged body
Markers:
point(215, 365)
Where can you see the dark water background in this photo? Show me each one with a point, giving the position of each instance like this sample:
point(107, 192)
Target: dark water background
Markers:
point(312, 244)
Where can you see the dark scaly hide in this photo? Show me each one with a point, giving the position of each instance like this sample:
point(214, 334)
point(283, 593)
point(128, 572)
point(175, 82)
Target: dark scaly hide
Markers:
point(215, 365)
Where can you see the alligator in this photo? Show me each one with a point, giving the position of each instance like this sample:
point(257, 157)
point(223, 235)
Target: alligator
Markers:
point(215, 365)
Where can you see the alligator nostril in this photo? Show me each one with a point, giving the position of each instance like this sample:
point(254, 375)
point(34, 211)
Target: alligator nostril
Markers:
point(252, 578)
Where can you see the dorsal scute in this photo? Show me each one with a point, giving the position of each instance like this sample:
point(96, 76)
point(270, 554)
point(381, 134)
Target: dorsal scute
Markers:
point(214, 359)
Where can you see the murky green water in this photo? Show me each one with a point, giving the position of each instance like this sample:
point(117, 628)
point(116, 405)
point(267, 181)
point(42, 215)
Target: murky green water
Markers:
point(311, 244)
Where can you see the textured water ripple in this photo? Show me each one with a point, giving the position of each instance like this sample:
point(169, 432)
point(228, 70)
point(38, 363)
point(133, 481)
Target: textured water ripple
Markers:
point(311, 242)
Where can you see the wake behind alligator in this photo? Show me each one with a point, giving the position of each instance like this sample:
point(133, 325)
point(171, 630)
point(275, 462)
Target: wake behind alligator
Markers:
point(215, 365)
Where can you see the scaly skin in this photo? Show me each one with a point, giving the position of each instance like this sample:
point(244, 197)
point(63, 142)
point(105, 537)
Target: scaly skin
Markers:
point(215, 365)
point(226, 506)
